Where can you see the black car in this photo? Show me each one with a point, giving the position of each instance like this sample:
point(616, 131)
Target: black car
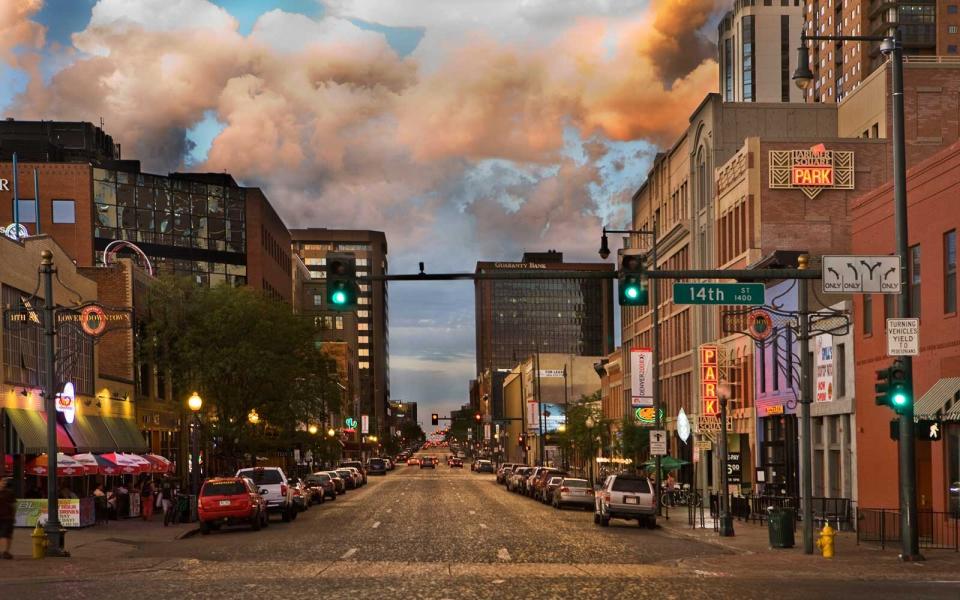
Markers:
point(376, 466)
point(428, 462)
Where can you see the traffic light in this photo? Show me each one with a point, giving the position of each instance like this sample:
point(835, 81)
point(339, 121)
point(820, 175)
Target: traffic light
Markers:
point(632, 280)
point(342, 288)
point(434, 419)
point(893, 387)
point(478, 416)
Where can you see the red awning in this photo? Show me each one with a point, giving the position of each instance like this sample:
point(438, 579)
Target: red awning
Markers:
point(64, 443)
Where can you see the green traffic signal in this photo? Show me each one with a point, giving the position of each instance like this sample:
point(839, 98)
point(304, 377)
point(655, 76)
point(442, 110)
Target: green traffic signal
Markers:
point(893, 387)
point(342, 288)
point(339, 297)
point(632, 292)
point(631, 281)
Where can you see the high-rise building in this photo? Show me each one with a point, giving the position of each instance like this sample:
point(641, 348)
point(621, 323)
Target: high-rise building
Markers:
point(928, 28)
point(365, 329)
point(519, 317)
point(756, 47)
point(202, 225)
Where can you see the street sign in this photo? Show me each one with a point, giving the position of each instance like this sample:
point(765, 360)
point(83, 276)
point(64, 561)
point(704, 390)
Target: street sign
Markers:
point(703, 445)
point(861, 274)
point(718, 293)
point(712, 423)
point(903, 337)
point(733, 467)
point(658, 442)
point(924, 430)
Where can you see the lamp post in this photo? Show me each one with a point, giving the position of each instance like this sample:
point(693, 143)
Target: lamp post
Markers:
point(655, 350)
point(726, 519)
point(195, 403)
point(590, 423)
point(891, 46)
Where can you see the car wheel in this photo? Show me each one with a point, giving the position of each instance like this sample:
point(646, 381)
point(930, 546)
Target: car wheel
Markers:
point(286, 515)
point(266, 518)
point(604, 521)
point(333, 497)
point(255, 522)
point(596, 518)
point(204, 528)
point(651, 523)
point(294, 514)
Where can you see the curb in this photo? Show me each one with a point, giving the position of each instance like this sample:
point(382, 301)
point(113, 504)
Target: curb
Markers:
point(188, 534)
point(706, 540)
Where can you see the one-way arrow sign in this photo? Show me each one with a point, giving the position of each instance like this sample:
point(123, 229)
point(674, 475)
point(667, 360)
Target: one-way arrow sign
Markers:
point(860, 274)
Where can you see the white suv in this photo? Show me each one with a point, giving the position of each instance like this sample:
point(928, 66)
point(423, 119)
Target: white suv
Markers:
point(626, 496)
point(271, 482)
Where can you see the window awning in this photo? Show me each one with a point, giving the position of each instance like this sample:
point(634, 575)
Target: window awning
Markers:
point(31, 427)
point(125, 434)
point(942, 400)
point(91, 434)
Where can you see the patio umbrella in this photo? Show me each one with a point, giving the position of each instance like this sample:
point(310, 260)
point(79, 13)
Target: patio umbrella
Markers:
point(160, 463)
point(667, 463)
point(97, 464)
point(66, 466)
point(145, 465)
point(127, 465)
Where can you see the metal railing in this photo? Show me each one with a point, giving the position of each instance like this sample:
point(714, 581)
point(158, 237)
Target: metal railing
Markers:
point(836, 511)
point(937, 530)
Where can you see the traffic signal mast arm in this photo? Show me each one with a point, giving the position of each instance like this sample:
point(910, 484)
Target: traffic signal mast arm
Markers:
point(737, 274)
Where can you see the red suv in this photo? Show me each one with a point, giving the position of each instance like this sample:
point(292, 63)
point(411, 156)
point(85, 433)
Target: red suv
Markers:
point(229, 501)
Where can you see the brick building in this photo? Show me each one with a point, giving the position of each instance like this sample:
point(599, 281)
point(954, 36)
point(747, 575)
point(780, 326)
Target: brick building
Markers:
point(934, 218)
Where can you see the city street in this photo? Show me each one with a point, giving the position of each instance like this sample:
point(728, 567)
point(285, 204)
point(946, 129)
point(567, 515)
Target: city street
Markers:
point(449, 533)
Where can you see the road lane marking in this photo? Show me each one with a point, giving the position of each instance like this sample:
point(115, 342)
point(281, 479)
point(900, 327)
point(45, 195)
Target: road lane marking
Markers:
point(349, 553)
point(503, 554)
point(389, 510)
point(483, 526)
point(377, 524)
point(473, 512)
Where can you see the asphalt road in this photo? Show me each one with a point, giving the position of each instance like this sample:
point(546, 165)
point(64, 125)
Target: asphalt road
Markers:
point(448, 533)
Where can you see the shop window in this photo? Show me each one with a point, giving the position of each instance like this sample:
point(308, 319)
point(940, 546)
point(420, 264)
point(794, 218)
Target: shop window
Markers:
point(950, 271)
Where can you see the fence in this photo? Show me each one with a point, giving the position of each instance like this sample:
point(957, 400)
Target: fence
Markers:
point(937, 530)
point(835, 511)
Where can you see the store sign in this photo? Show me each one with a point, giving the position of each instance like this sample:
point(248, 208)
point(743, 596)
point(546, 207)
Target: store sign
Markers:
point(812, 170)
point(824, 368)
point(66, 402)
point(364, 424)
point(4, 185)
point(774, 409)
point(645, 415)
point(552, 373)
point(350, 425)
point(709, 379)
point(733, 467)
point(641, 377)
point(74, 512)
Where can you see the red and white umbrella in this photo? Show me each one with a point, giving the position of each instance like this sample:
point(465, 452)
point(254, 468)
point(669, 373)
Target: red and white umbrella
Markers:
point(66, 466)
point(145, 465)
point(128, 466)
point(97, 464)
point(160, 463)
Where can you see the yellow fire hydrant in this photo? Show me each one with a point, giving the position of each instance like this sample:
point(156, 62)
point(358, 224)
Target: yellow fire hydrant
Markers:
point(39, 542)
point(825, 542)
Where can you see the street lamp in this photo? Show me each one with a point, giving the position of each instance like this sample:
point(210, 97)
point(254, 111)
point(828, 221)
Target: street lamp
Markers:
point(195, 403)
point(891, 46)
point(331, 432)
point(726, 519)
point(253, 417)
point(590, 423)
point(312, 429)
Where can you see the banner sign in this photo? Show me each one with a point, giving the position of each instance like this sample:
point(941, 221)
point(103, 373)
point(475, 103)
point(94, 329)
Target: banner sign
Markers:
point(641, 377)
point(364, 424)
point(824, 368)
point(74, 512)
point(709, 379)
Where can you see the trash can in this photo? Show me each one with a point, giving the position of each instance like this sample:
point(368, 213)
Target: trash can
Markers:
point(780, 527)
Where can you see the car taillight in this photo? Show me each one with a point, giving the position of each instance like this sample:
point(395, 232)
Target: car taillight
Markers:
point(564, 489)
point(283, 489)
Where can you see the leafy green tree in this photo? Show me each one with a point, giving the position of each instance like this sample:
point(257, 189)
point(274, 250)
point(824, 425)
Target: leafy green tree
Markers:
point(578, 441)
point(634, 440)
point(412, 431)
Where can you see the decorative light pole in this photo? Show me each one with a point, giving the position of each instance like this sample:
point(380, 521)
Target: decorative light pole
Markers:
point(195, 403)
point(590, 423)
point(726, 519)
point(891, 46)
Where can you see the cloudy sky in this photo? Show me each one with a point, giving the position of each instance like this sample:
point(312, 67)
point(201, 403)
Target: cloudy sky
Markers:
point(465, 129)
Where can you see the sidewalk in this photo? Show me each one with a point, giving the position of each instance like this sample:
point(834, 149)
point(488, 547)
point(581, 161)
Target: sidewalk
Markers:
point(114, 538)
point(850, 559)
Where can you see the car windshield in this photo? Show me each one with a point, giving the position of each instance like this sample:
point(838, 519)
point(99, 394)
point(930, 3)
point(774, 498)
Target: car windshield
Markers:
point(223, 488)
point(575, 483)
point(263, 476)
point(638, 486)
point(318, 478)
point(376, 462)
point(555, 480)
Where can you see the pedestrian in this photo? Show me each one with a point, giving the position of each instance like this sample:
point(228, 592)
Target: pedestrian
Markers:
point(670, 484)
point(146, 495)
point(8, 502)
point(101, 510)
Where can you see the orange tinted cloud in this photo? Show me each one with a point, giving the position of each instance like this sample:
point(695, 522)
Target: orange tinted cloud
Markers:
point(17, 29)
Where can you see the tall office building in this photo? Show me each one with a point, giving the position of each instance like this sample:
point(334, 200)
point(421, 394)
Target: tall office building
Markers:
point(928, 27)
point(519, 317)
point(365, 330)
point(756, 46)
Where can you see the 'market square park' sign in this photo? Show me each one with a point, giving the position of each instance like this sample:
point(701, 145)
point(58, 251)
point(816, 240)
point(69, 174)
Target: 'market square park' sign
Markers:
point(812, 170)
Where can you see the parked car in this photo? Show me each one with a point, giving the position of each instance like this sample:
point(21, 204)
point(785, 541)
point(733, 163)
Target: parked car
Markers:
point(412, 462)
point(231, 501)
point(549, 488)
point(271, 482)
point(390, 463)
point(504, 470)
point(340, 484)
point(526, 486)
point(626, 496)
point(456, 463)
point(484, 466)
point(573, 492)
point(360, 477)
point(356, 464)
point(322, 487)
point(377, 466)
point(428, 462)
point(539, 483)
point(348, 478)
point(517, 477)
point(298, 494)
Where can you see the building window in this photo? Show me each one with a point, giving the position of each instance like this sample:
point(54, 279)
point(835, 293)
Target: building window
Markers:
point(728, 70)
point(914, 278)
point(950, 271)
point(951, 9)
point(840, 369)
point(363, 352)
point(64, 211)
point(27, 211)
point(328, 322)
point(363, 364)
point(363, 314)
point(363, 327)
point(363, 339)
point(951, 49)
point(785, 75)
point(867, 325)
point(339, 322)
point(318, 299)
point(362, 262)
point(313, 262)
point(952, 29)
point(363, 300)
point(748, 59)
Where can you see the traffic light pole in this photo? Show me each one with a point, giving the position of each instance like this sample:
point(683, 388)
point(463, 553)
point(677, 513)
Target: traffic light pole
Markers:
point(806, 484)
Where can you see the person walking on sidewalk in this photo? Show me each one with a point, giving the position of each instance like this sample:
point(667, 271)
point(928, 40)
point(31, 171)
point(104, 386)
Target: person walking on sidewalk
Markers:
point(146, 494)
point(8, 503)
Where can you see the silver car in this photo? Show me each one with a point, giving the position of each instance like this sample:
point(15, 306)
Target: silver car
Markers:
point(626, 496)
point(573, 492)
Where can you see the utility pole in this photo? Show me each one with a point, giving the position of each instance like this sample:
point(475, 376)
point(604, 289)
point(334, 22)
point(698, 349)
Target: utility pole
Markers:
point(55, 533)
point(655, 352)
point(805, 401)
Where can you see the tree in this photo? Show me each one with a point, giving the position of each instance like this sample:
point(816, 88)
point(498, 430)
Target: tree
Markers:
point(412, 431)
point(241, 352)
point(579, 441)
point(634, 440)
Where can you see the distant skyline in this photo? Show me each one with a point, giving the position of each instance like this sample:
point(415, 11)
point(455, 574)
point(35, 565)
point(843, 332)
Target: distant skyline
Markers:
point(466, 130)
